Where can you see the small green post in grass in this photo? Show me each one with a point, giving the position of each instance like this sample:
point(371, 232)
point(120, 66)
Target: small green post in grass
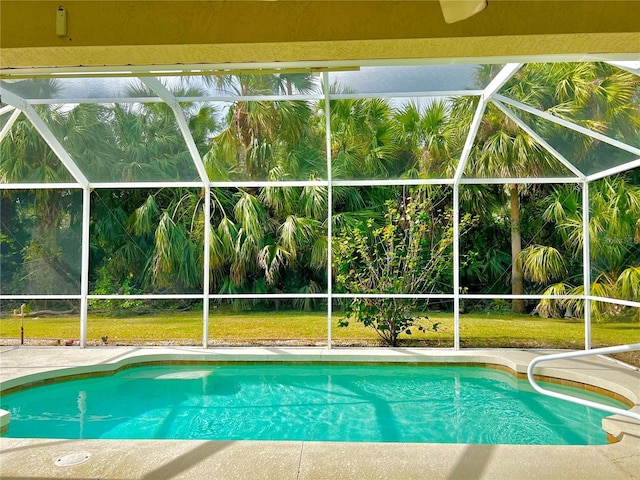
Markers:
point(22, 307)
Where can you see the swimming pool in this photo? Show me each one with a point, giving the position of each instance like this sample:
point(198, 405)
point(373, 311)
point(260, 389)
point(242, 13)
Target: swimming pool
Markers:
point(319, 402)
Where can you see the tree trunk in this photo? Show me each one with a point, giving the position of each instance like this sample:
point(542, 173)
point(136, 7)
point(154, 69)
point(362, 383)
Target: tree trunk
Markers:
point(517, 282)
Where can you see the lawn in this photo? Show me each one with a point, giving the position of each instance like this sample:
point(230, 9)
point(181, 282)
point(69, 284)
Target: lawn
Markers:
point(226, 327)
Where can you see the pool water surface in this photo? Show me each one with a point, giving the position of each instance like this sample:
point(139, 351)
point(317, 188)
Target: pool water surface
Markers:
point(354, 403)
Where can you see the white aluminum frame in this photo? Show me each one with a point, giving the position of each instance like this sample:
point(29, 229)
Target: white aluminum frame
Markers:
point(7, 126)
point(6, 109)
point(327, 122)
point(84, 280)
point(586, 264)
point(557, 155)
point(570, 125)
point(47, 135)
point(612, 171)
point(40, 186)
point(462, 164)
point(489, 94)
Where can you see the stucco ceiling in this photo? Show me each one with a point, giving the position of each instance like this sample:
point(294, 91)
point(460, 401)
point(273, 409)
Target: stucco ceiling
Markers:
point(121, 33)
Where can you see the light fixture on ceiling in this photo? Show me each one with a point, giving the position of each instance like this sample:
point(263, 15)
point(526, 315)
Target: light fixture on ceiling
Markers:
point(456, 10)
point(61, 22)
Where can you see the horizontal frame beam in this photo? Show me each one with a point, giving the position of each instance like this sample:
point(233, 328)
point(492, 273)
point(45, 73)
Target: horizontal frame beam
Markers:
point(392, 182)
point(500, 181)
point(212, 296)
point(301, 183)
point(39, 186)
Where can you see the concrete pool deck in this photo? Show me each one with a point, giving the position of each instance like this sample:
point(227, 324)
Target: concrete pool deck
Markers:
point(247, 460)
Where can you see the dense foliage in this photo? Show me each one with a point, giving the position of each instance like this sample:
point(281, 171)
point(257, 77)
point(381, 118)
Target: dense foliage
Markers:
point(518, 238)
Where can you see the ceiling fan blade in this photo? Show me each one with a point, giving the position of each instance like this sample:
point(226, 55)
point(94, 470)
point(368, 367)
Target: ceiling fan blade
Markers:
point(456, 10)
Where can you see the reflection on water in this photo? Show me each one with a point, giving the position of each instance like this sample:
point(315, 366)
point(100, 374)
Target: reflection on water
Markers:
point(395, 403)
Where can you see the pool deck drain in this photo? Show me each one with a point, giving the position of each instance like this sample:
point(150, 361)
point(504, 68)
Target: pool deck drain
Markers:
point(247, 460)
point(72, 459)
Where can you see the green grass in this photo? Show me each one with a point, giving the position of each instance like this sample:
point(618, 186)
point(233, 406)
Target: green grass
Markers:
point(497, 329)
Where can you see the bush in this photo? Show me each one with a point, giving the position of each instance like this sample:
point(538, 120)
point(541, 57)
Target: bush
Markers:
point(410, 253)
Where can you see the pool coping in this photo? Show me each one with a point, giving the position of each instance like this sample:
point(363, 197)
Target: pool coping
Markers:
point(26, 365)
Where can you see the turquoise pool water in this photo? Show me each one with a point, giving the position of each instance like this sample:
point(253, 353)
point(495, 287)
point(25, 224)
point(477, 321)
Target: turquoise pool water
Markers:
point(359, 403)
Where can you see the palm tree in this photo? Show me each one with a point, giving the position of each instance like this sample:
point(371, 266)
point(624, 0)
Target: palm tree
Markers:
point(262, 140)
point(575, 91)
point(614, 231)
point(363, 142)
point(149, 239)
point(503, 150)
point(428, 139)
point(261, 233)
point(604, 99)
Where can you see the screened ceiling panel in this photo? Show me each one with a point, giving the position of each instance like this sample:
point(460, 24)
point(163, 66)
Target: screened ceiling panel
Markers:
point(593, 95)
point(74, 90)
point(116, 127)
point(27, 158)
point(414, 79)
point(233, 85)
point(588, 154)
point(128, 142)
point(498, 134)
point(290, 146)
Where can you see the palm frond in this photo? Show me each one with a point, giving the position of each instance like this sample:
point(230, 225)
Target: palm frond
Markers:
point(552, 307)
point(144, 218)
point(250, 214)
point(628, 284)
point(540, 263)
point(271, 259)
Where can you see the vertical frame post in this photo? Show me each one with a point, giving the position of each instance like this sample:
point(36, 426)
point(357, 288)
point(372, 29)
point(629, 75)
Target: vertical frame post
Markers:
point(327, 112)
point(84, 278)
point(586, 265)
point(462, 163)
point(206, 266)
point(456, 266)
